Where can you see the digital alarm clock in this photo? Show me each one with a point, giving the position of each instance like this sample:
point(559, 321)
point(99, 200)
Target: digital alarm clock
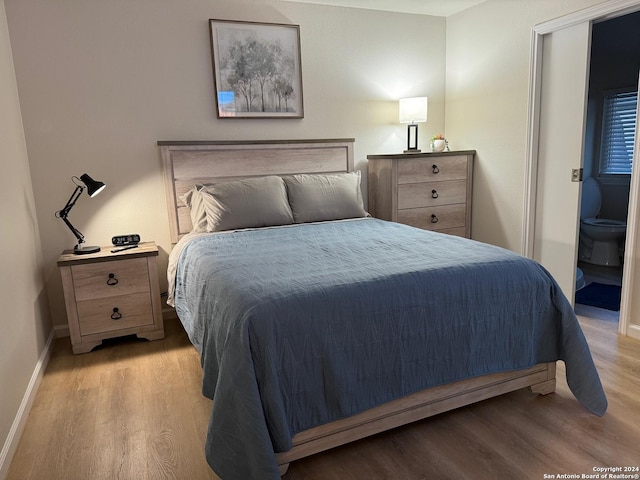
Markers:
point(122, 240)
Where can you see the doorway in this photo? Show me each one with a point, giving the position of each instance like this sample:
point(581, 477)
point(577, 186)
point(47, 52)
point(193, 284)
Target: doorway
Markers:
point(613, 74)
point(556, 248)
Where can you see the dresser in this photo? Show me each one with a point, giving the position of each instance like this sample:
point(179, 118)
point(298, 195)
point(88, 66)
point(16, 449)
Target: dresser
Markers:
point(111, 295)
point(426, 190)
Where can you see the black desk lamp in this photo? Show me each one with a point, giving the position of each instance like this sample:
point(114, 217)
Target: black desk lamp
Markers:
point(93, 188)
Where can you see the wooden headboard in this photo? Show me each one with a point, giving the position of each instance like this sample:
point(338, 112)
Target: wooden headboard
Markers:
point(187, 163)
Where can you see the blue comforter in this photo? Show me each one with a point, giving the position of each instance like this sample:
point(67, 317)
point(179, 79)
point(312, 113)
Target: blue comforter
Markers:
point(302, 325)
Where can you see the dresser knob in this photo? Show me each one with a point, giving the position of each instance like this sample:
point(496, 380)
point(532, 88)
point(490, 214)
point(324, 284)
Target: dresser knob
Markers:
point(112, 280)
point(116, 315)
point(434, 194)
point(435, 169)
point(434, 219)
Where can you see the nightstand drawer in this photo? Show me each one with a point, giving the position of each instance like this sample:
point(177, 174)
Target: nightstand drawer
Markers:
point(432, 169)
point(414, 195)
point(107, 279)
point(434, 218)
point(114, 313)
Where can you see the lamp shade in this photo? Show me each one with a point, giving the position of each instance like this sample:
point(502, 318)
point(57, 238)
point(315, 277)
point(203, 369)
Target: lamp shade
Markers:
point(94, 187)
point(413, 110)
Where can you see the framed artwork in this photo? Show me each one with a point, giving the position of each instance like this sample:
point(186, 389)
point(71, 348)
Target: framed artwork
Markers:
point(256, 69)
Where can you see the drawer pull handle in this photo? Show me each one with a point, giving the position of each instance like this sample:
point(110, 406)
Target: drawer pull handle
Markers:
point(434, 194)
point(116, 315)
point(435, 169)
point(112, 280)
point(434, 219)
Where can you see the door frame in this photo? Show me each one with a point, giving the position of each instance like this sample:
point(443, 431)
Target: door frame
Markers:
point(606, 10)
point(633, 226)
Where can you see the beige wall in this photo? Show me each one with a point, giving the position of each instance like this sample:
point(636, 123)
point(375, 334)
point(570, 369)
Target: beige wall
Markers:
point(488, 59)
point(101, 82)
point(24, 318)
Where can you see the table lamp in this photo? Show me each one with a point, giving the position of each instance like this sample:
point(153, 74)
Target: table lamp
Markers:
point(93, 188)
point(413, 111)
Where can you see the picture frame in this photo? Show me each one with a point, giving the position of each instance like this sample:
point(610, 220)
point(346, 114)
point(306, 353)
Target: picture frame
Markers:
point(257, 69)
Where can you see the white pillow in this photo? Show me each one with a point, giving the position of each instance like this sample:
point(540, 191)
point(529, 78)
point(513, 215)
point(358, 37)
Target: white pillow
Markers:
point(193, 200)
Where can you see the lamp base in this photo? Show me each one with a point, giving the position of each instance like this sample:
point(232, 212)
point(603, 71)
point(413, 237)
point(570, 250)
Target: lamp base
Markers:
point(413, 150)
point(83, 250)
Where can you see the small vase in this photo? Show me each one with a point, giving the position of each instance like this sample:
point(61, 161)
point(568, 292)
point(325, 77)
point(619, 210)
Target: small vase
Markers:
point(438, 145)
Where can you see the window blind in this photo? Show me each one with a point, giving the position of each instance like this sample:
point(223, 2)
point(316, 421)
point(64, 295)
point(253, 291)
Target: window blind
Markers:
point(619, 126)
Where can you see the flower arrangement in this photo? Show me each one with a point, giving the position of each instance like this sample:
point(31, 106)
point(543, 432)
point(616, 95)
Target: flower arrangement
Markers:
point(439, 143)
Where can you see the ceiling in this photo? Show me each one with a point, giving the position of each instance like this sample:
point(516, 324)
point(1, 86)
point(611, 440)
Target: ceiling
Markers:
point(441, 8)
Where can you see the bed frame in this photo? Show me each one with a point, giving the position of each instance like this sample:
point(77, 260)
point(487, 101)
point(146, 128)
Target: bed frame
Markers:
point(187, 163)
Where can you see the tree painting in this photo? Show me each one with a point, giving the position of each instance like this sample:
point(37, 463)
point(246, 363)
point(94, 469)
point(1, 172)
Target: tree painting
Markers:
point(257, 69)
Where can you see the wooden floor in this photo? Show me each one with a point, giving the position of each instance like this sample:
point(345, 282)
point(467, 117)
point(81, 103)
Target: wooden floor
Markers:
point(133, 410)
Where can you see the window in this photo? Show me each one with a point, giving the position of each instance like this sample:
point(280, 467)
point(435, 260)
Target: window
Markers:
point(618, 130)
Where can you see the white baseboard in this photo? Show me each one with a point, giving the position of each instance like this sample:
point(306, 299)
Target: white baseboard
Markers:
point(61, 330)
point(12, 440)
point(634, 331)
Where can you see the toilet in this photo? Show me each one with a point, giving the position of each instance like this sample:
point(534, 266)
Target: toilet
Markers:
point(601, 239)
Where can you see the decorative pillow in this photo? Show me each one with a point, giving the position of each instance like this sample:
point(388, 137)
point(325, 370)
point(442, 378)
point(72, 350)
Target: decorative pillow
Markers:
point(255, 202)
point(193, 200)
point(314, 198)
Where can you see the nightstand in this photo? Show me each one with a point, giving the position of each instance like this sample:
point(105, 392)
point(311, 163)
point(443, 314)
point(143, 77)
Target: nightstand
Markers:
point(110, 295)
point(426, 190)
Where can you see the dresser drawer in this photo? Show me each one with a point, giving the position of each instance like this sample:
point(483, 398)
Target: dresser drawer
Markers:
point(436, 169)
point(434, 218)
point(107, 279)
point(428, 194)
point(95, 316)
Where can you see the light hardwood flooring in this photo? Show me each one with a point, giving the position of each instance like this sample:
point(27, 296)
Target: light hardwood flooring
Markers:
point(133, 410)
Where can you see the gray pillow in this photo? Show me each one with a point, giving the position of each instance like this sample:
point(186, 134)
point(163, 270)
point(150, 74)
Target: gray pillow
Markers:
point(250, 203)
point(193, 200)
point(315, 198)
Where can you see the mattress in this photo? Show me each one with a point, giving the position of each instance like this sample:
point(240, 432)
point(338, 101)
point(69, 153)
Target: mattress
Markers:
point(301, 325)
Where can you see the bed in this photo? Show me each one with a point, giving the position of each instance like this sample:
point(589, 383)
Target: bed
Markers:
point(316, 331)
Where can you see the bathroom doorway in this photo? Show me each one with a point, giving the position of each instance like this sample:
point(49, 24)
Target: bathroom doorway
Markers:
point(608, 146)
point(556, 132)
